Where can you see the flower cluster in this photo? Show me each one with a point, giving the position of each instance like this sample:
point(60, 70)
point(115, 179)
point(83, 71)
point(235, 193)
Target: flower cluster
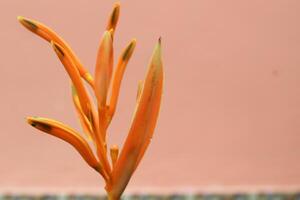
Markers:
point(95, 118)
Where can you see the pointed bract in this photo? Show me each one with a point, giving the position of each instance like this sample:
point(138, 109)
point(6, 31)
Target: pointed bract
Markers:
point(103, 72)
point(118, 76)
point(49, 35)
point(85, 123)
point(142, 126)
point(84, 100)
point(75, 77)
point(67, 134)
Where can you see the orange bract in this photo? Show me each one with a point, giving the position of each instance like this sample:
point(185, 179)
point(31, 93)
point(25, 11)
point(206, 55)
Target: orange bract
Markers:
point(95, 122)
point(49, 35)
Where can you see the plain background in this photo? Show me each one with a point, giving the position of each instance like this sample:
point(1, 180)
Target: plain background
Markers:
point(231, 106)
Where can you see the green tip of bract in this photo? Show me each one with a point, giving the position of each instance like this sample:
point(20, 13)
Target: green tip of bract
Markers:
point(27, 23)
point(115, 13)
point(114, 17)
point(37, 123)
point(156, 60)
point(129, 50)
point(157, 52)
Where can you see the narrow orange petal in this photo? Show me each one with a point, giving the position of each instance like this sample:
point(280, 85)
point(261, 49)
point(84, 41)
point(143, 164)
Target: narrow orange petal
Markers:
point(84, 100)
point(142, 127)
point(103, 73)
point(158, 74)
point(75, 77)
point(85, 123)
point(67, 134)
point(139, 90)
point(49, 35)
point(118, 76)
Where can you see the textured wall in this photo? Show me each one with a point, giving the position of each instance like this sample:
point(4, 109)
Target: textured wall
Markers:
point(231, 106)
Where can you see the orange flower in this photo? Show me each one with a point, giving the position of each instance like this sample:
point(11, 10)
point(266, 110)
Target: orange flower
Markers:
point(95, 122)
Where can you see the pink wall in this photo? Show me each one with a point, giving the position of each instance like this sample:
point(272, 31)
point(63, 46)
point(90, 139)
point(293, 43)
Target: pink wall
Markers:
point(231, 106)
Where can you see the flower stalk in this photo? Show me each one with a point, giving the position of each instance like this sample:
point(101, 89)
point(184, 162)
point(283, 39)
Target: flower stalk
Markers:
point(95, 118)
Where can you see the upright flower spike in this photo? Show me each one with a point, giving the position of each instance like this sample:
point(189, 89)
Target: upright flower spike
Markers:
point(95, 123)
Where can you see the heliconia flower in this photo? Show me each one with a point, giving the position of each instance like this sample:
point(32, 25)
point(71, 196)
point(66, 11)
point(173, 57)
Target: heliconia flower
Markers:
point(95, 122)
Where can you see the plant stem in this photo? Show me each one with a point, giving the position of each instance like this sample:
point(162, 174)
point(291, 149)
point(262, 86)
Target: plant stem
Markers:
point(111, 197)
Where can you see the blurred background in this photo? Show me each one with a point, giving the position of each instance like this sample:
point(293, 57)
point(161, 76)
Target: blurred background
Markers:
point(230, 116)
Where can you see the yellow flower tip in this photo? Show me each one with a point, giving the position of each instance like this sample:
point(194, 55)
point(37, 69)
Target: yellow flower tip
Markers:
point(114, 147)
point(139, 90)
point(157, 51)
point(88, 77)
point(117, 4)
point(33, 121)
point(20, 18)
point(156, 57)
point(30, 120)
point(111, 30)
point(107, 33)
point(74, 91)
point(29, 24)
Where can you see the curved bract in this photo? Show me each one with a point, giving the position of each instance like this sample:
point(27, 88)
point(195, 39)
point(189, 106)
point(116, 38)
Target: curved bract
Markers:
point(95, 122)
